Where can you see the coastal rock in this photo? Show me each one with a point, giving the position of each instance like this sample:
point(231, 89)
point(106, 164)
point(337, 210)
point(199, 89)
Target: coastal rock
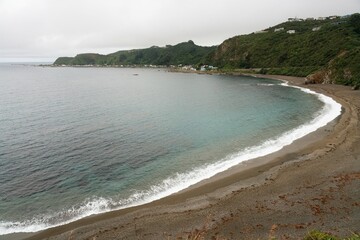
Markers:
point(322, 76)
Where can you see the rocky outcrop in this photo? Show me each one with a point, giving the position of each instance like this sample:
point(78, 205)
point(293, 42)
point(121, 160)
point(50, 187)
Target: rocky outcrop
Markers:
point(343, 69)
point(322, 76)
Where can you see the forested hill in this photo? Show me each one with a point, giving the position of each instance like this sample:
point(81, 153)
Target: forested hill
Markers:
point(186, 53)
point(329, 47)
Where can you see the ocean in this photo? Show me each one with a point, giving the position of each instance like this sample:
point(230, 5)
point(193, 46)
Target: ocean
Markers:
point(81, 141)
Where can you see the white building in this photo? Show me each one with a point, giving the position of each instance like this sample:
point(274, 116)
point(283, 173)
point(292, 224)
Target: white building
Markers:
point(291, 31)
point(203, 68)
point(278, 29)
point(316, 29)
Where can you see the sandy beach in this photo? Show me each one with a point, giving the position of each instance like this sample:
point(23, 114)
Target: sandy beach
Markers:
point(312, 184)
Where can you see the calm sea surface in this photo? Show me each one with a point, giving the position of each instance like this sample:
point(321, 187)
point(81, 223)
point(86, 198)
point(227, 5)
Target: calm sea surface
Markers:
point(78, 141)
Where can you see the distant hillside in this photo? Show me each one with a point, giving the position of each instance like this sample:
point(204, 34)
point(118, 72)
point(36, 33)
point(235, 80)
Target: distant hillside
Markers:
point(298, 48)
point(186, 53)
point(326, 49)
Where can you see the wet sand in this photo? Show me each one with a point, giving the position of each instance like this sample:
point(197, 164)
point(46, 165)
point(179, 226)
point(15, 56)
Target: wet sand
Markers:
point(312, 184)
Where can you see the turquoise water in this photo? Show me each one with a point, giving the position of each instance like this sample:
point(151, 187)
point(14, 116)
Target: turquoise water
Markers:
point(79, 141)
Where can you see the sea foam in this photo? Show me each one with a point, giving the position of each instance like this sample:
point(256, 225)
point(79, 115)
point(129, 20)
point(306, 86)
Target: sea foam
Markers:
point(181, 181)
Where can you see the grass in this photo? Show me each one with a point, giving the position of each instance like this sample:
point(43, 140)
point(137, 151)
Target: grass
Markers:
point(318, 235)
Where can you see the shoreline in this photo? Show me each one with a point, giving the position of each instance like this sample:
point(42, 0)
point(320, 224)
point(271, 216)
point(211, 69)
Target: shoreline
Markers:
point(244, 178)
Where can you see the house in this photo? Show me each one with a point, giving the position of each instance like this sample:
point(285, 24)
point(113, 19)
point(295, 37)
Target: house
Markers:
point(279, 29)
point(316, 29)
point(207, 67)
point(310, 19)
point(333, 17)
point(291, 31)
point(188, 68)
point(321, 18)
point(212, 68)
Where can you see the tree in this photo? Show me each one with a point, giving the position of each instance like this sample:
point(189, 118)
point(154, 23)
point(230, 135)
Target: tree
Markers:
point(355, 22)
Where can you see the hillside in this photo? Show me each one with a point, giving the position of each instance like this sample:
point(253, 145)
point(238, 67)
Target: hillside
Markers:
point(330, 46)
point(325, 49)
point(186, 53)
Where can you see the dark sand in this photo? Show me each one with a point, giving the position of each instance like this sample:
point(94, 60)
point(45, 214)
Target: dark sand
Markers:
point(312, 184)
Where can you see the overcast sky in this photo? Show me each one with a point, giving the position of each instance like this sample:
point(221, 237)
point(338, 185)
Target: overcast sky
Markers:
point(52, 28)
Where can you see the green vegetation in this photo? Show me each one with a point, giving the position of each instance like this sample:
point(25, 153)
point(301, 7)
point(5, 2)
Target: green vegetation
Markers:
point(344, 69)
point(186, 53)
point(317, 45)
point(317, 235)
point(325, 50)
point(63, 60)
point(355, 22)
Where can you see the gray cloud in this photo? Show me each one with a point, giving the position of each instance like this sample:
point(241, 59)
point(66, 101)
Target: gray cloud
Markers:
point(51, 28)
